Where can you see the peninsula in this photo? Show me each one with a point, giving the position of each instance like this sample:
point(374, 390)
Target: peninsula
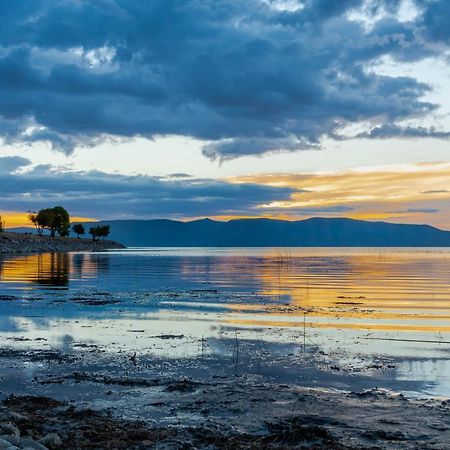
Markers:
point(31, 243)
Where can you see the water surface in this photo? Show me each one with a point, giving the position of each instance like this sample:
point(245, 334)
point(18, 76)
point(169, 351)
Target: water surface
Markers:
point(379, 313)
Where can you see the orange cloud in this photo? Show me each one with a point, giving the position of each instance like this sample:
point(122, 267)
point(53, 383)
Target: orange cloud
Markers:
point(418, 193)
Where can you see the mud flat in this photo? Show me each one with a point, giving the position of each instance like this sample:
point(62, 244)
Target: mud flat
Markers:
point(29, 243)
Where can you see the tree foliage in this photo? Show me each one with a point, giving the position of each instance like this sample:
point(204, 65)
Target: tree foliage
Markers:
point(78, 229)
point(56, 220)
point(2, 225)
point(100, 231)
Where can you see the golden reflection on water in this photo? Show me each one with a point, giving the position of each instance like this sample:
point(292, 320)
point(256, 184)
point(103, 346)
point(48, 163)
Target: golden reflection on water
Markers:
point(46, 269)
point(404, 290)
point(389, 291)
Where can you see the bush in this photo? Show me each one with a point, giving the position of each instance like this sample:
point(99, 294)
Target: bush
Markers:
point(78, 229)
point(100, 231)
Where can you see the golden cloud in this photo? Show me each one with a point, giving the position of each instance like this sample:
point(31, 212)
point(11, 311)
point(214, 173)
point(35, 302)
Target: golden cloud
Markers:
point(417, 193)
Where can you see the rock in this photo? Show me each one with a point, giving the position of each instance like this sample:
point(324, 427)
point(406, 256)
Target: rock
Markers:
point(9, 429)
point(28, 443)
point(27, 243)
point(13, 440)
point(5, 445)
point(15, 417)
point(52, 441)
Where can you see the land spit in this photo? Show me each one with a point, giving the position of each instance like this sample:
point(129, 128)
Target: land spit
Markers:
point(31, 243)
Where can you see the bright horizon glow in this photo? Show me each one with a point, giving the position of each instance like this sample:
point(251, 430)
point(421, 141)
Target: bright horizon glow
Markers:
point(14, 219)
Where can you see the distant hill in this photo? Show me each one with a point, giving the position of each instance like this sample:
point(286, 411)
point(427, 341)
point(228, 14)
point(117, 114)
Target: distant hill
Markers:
point(321, 232)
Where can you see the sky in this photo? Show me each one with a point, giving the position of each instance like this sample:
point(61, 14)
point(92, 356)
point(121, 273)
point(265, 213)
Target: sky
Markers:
point(186, 109)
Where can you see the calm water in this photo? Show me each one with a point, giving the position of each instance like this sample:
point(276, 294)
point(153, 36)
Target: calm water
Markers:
point(356, 305)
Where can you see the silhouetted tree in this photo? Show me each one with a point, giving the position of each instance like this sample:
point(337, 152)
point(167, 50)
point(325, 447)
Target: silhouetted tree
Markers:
point(93, 231)
point(78, 229)
point(56, 219)
point(2, 225)
point(104, 231)
point(100, 231)
point(43, 219)
point(33, 218)
point(61, 222)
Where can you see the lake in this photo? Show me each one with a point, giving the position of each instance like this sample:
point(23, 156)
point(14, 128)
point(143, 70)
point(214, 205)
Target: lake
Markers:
point(344, 318)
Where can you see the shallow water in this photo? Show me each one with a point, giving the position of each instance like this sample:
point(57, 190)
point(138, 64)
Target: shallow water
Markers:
point(380, 314)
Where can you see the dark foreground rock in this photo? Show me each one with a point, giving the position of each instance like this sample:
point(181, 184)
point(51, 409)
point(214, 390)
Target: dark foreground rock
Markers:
point(30, 243)
point(233, 416)
point(43, 423)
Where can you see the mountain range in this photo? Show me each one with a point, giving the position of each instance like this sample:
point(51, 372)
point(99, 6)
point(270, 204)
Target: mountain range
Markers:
point(321, 232)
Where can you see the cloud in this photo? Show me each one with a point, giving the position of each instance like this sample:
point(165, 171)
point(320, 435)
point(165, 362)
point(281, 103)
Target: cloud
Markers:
point(436, 191)
point(388, 131)
point(417, 210)
point(102, 195)
point(333, 210)
point(245, 76)
point(398, 193)
point(434, 20)
point(9, 164)
point(412, 193)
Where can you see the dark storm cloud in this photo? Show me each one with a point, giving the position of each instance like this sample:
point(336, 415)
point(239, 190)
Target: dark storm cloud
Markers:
point(246, 75)
point(389, 131)
point(435, 19)
point(98, 194)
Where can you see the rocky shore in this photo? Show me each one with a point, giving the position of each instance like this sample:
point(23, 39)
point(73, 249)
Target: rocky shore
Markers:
point(30, 243)
point(230, 415)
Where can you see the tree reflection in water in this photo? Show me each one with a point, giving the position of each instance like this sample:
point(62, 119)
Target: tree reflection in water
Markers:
point(53, 270)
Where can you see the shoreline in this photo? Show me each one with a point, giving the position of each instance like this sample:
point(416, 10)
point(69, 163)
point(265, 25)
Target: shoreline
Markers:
point(18, 243)
point(222, 414)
